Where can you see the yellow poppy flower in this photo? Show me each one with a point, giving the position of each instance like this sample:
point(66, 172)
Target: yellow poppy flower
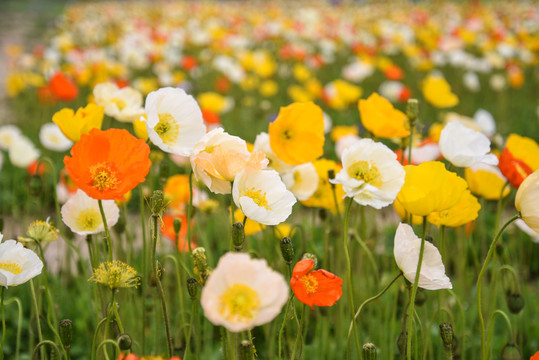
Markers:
point(399, 209)
point(73, 125)
point(340, 131)
point(139, 127)
point(429, 188)
point(465, 211)
point(382, 119)
point(525, 149)
point(297, 135)
point(437, 92)
point(214, 102)
point(323, 196)
point(486, 181)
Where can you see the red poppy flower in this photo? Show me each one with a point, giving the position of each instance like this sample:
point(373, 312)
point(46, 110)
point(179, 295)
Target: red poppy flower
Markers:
point(63, 88)
point(393, 72)
point(188, 62)
point(45, 97)
point(107, 164)
point(513, 169)
point(535, 356)
point(210, 117)
point(320, 287)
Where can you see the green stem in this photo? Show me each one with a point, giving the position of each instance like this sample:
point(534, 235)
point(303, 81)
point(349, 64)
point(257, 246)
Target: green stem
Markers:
point(36, 309)
point(3, 323)
point(96, 332)
point(190, 210)
point(491, 326)
point(300, 332)
point(19, 323)
point(159, 286)
point(193, 312)
point(414, 292)
point(107, 234)
point(144, 252)
point(349, 271)
point(281, 331)
point(43, 343)
point(108, 341)
point(480, 280)
point(363, 304)
point(115, 312)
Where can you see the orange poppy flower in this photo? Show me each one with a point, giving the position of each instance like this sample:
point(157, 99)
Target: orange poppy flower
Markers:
point(515, 170)
point(107, 164)
point(167, 229)
point(535, 356)
point(320, 287)
point(62, 88)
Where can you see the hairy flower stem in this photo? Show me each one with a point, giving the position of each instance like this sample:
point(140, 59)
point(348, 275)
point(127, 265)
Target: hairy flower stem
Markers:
point(480, 281)
point(414, 291)
point(143, 225)
point(158, 282)
point(193, 314)
point(349, 271)
point(37, 314)
point(107, 234)
point(281, 331)
point(299, 338)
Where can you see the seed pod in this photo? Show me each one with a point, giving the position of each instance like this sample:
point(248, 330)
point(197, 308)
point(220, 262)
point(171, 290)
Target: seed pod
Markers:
point(287, 250)
point(446, 332)
point(66, 332)
point(192, 288)
point(515, 302)
point(238, 235)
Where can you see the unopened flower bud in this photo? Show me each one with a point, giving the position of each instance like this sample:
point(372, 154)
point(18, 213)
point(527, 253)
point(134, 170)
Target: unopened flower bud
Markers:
point(238, 235)
point(124, 342)
point(369, 351)
point(192, 288)
point(446, 332)
point(511, 352)
point(401, 343)
point(287, 250)
point(246, 350)
point(200, 265)
point(157, 203)
point(66, 332)
point(412, 110)
point(515, 302)
point(35, 186)
point(311, 256)
point(421, 297)
point(177, 226)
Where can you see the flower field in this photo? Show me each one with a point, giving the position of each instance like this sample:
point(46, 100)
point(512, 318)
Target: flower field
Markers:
point(272, 180)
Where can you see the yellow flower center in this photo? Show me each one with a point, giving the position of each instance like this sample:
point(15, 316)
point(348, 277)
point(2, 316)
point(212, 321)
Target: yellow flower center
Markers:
point(286, 135)
point(297, 177)
point(310, 283)
point(366, 171)
point(239, 303)
point(11, 267)
point(167, 128)
point(88, 220)
point(103, 177)
point(258, 197)
point(120, 103)
point(210, 149)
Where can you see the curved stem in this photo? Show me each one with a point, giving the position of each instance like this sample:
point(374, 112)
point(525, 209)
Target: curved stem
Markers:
point(414, 291)
point(193, 312)
point(109, 341)
point(19, 323)
point(107, 234)
point(99, 324)
point(369, 255)
point(281, 330)
point(491, 325)
point(349, 271)
point(300, 332)
point(36, 309)
point(46, 342)
point(480, 281)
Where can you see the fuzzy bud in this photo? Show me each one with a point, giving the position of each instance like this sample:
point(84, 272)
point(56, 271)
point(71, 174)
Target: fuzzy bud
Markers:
point(446, 332)
point(412, 110)
point(246, 350)
point(124, 342)
point(511, 352)
point(157, 203)
point(200, 265)
point(311, 256)
point(369, 351)
point(66, 332)
point(515, 302)
point(192, 288)
point(238, 235)
point(177, 226)
point(287, 250)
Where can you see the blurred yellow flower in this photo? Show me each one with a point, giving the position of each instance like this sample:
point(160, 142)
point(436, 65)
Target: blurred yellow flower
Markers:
point(284, 230)
point(340, 94)
point(486, 181)
point(342, 130)
point(429, 188)
point(251, 227)
point(73, 125)
point(268, 88)
point(382, 119)
point(299, 94)
point(465, 211)
point(297, 135)
point(301, 72)
point(323, 196)
point(437, 92)
point(139, 127)
point(214, 102)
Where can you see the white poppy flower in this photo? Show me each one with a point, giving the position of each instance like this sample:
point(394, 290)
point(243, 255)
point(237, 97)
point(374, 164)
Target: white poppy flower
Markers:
point(9, 134)
point(464, 147)
point(527, 199)
point(17, 263)
point(345, 142)
point(302, 181)
point(534, 235)
point(471, 81)
point(174, 122)
point(262, 196)
point(242, 293)
point(52, 138)
point(123, 104)
point(486, 122)
point(371, 173)
point(406, 251)
point(22, 153)
point(81, 213)
point(262, 143)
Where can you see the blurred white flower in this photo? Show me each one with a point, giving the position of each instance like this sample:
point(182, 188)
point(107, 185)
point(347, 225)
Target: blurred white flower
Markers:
point(123, 104)
point(52, 138)
point(302, 181)
point(174, 122)
point(527, 199)
point(406, 251)
point(8, 136)
point(497, 82)
point(262, 143)
point(371, 173)
point(242, 293)
point(464, 147)
point(486, 122)
point(22, 153)
point(344, 142)
point(81, 213)
point(17, 263)
point(262, 196)
point(357, 71)
point(471, 81)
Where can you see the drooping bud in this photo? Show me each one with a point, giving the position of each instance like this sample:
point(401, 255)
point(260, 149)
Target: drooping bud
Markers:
point(124, 341)
point(200, 265)
point(369, 351)
point(412, 110)
point(446, 332)
point(192, 288)
point(246, 350)
point(287, 250)
point(66, 332)
point(35, 186)
point(511, 352)
point(238, 235)
point(515, 302)
point(311, 256)
point(421, 297)
point(157, 203)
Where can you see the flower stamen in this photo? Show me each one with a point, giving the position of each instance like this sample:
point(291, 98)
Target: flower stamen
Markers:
point(239, 303)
